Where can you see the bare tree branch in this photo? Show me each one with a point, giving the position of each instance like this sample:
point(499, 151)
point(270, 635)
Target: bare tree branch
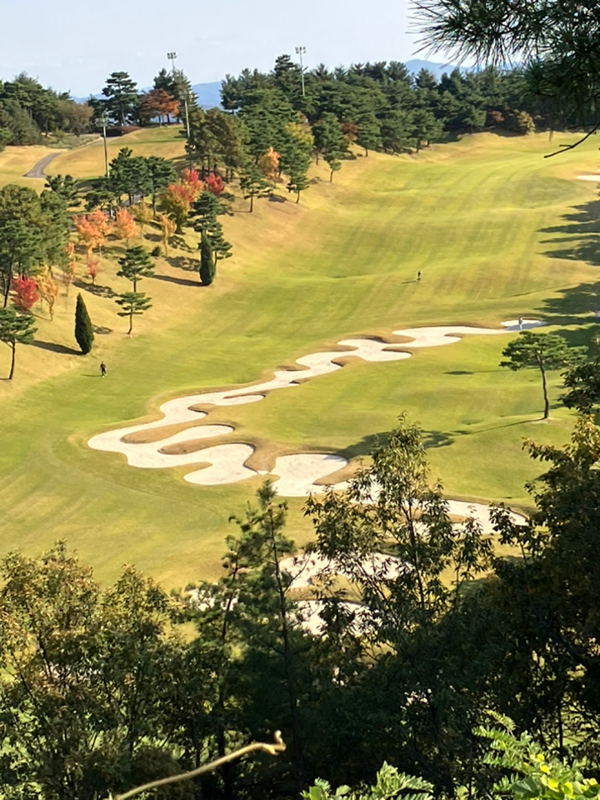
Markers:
point(271, 749)
point(565, 147)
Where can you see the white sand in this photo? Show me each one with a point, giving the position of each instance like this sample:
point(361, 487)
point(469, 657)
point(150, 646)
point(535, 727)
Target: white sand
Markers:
point(595, 178)
point(294, 475)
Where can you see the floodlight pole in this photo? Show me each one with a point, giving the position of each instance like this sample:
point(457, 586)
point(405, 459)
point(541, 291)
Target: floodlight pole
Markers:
point(172, 56)
point(105, 146)
point(301, 51)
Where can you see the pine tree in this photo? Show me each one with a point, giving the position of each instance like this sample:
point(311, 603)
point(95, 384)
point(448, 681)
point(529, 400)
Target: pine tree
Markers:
point(135, 265)
point(84, 330)
point(207, 264)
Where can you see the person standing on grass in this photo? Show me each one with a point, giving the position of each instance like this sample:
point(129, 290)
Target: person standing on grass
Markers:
point(419, 275)
point(102, 369)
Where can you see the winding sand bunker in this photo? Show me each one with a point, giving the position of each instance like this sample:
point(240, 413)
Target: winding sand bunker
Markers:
point(294, 475)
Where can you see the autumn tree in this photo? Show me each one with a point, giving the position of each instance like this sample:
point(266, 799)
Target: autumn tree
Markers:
point(268, 164)
point(92, 229)
point(214, 184)
point(142, 214)
point(24, 293)
point(15, 329)
point(167, 227)
point(84, 330)
point(135, 265)
point(542, 351)
point(132, 304)
point(48, 290)
point(158, 103)
point(93, 268)
point(175, 203)
point(124, 225)
point(69, 267)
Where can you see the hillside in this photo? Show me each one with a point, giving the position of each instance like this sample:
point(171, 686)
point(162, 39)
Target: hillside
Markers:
point(484, 220)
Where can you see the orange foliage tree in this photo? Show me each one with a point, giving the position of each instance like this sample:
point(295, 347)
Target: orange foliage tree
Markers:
point(124, 225)
point(158, 103)
point(269, 165)
point(92, 229)
point(48, 290)
point(168, 229)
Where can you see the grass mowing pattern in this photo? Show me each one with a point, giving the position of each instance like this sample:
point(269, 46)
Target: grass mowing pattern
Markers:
point(482, 220)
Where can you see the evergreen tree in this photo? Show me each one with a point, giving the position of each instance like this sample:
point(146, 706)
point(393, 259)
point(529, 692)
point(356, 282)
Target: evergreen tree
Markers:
point(84, 330)
point(135, 265)
point(133, 304)
point(207, 265)
point(121, 98)
point(160, 175)
point(65, 187)
point(15, 329)
point(543, 351)
point(253, 183)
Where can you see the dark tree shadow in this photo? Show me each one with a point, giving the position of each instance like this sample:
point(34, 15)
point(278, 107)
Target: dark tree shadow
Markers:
point(459, 372)
point(580, 234)
point(183, 263)
point(56, 348)
point(100, 329)
point(567, 308)
point(179, 281)
point(98, 291)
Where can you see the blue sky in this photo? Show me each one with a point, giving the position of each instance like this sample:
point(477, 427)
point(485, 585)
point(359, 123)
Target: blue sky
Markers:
point(73, 45)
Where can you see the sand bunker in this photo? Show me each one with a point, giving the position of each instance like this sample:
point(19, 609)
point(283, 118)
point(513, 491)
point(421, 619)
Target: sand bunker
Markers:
point(595, 178)
point(293, 475)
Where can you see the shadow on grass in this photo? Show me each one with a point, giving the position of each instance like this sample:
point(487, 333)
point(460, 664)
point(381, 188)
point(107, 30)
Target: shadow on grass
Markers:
point(100, 329)
point(56, 348)
point(179, 281)
point(182, 262)
point(431, 438)
point(98, 291)
point(578, 240)
point(580, 234)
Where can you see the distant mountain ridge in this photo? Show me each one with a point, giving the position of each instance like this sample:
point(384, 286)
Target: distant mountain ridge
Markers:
point(209, 94)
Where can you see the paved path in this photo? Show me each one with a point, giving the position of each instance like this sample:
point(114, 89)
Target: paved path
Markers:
point(37, 171)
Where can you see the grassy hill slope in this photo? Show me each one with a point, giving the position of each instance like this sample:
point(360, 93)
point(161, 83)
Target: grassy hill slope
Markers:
point(497, 231)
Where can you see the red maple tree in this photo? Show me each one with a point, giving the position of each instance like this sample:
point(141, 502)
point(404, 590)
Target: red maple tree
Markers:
point(24, 293)
point(214, 184)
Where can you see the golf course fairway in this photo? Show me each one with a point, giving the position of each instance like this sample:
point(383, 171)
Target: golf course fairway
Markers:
point(497, 231)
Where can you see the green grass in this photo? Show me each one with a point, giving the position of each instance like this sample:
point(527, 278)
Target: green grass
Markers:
point(482, 219)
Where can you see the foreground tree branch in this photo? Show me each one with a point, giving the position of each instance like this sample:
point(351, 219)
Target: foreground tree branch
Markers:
point(271, 749)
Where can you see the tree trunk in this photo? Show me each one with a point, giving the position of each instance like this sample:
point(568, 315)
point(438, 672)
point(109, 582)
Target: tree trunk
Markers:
point(297, 197)
point(129, 332)
point(331, 177)
point(251, 208)
point(545, 388)
point(12, 360)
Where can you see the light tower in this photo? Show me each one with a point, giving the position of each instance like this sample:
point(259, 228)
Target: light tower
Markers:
point(172, 57)
point(300, 51)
